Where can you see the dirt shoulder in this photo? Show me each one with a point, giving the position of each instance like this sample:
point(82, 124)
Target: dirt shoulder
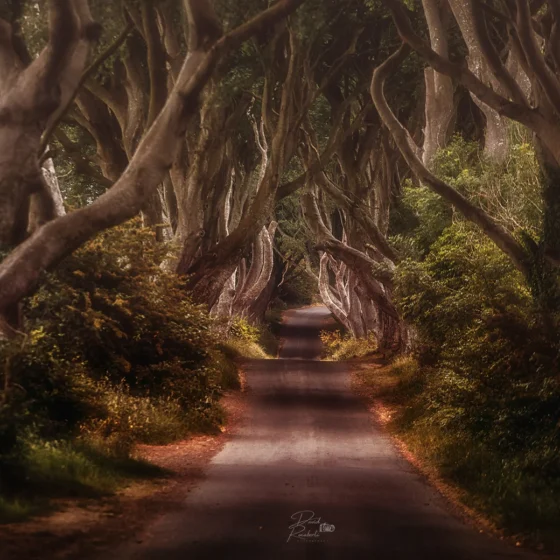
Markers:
point(374, 381)
point(85, 528)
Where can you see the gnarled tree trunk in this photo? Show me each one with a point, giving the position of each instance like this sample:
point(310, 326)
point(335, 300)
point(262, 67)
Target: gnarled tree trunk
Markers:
point(440, 105)
point(30, 97)
point(21, 270)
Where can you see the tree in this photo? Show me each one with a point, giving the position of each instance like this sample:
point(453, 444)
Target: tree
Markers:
point(32, 93)
point(21, 270)
point(525, 30)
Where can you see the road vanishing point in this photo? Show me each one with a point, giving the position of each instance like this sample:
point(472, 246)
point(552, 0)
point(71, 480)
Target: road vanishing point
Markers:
point(309, 476)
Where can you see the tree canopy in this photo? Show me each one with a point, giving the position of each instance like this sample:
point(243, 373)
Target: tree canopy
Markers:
point(396, 160)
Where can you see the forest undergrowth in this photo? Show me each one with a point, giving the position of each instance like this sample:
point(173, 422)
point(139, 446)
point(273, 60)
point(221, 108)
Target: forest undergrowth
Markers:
point(115, 355)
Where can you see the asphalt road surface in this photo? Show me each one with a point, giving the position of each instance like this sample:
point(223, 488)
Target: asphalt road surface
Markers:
point(309, 477)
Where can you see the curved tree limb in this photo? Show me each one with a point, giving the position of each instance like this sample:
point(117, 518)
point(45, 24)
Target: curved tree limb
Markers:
point(111, 49)
point(21, 270)
point(548, 81)
point(501, 237)
point(490, 53)
point(355, 207)
point(464, 76)
point(362, 265)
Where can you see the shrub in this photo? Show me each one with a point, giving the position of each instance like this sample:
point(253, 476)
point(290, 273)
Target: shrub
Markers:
point(241, 329)
point(488, 398)
point(115, 351)
point(405, 367)
point(244, 340)
point(338, 346)
point(129, 419)
point(484, 405)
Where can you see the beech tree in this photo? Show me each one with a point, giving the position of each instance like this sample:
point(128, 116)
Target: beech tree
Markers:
point(439, 106)
point(350, 178)
point(531, 39)
point(55, 75)
point(285, 99)
point(169, 118)
point(30, 97)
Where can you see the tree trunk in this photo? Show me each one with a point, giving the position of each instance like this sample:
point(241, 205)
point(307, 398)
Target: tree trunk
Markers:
point(260, 306)
point(259, 274)
point(330, 301)
point(496, 144)
point(21, 270)
point(30, 97)
point(224, 306)
point(440, 105)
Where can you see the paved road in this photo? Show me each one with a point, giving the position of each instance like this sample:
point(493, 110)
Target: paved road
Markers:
point(308, 450)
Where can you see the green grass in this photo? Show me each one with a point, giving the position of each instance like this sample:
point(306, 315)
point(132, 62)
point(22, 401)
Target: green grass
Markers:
point(139, 419)
point(515, 494)
point(223, 360)
point(96, 459)
point(66, 469)
point(268, 340)
point(252, 342)
point(339, 347)
point(240, 348)
point(12, 511)
point(517, 489)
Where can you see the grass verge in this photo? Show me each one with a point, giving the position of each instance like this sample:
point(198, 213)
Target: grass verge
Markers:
point(49, 470)
point(42, 472)
point(508, 492)
point(339, 346)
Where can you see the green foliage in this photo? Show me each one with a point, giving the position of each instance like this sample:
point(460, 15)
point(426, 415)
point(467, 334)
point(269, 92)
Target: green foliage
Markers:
point(133, 419)
point(12, 511)
point(295, 244)
point(226, 366)
point(114, 352)
point(405, 367)
point(57, 468)
point(338, 346)
point(244, 340)
point(459, 287)
point(426, 213)
point(488, 398)
point(242, 329)
point(299, 289)
point(484, 406)
point(510, 192)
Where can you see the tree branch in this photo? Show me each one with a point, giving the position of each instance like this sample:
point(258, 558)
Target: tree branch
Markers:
point(459, 73)
point(21, 270)
point(548, 81)
point(108, 52)
point(493, 230)
point(492, 56)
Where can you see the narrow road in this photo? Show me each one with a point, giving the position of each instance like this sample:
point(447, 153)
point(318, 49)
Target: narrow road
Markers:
point(306, 456)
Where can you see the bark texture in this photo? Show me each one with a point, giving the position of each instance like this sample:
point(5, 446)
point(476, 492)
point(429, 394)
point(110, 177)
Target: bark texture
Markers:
point(31, 96)
point(21, 270)
point(440, 105)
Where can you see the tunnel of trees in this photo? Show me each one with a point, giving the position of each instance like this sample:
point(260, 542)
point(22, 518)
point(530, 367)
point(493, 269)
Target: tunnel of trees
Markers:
point(171, 170)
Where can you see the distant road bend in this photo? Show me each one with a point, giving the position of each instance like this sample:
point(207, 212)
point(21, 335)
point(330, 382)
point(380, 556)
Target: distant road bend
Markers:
point(309, 477)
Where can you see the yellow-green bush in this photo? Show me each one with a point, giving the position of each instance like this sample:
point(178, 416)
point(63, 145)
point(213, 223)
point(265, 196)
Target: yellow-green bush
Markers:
point(115, 350)
point(485, 403)
point(405, 367)
point(339, 346)
point(241, 329)
point(244, 340)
